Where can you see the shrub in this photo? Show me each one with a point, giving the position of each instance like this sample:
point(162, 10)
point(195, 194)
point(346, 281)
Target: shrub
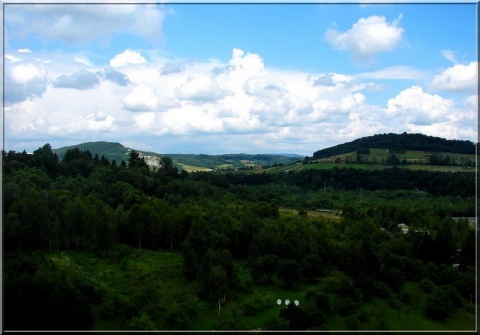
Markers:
point(440, 305)
point(427, 285)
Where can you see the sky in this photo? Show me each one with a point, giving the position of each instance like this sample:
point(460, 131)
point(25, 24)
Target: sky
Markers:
point(237, 78)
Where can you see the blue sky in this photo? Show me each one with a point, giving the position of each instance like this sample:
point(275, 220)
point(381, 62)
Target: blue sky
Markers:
point(276, 78)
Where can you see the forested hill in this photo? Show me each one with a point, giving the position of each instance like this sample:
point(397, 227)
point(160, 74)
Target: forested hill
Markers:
point(399, 142)
point(111, 150)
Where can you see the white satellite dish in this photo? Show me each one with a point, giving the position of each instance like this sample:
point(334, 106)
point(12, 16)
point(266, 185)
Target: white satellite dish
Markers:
point(279, 301)
point(296, 302)
point(287, 302)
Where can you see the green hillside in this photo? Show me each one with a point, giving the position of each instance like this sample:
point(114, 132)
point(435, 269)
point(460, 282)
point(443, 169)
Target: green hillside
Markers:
point(399, 143)
point(111, 150)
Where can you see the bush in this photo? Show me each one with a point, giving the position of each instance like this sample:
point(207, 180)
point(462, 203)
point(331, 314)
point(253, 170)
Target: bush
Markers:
point(440, 305)
point(427, 285)
point(381, 290)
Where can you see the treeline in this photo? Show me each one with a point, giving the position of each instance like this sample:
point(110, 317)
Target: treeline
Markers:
point(395, 178)
point(91, 204)
point(399, 142)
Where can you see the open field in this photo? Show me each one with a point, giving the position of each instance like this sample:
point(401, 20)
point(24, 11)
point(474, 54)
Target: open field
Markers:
point(331, 216)
point(191, 168)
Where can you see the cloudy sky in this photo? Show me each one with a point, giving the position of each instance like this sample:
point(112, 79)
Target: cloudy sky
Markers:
point(252, 78)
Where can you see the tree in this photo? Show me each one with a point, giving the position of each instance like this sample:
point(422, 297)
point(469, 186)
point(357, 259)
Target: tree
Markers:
point(440, 305)
point(217, 283)
point(135, 161)
point(182, 311)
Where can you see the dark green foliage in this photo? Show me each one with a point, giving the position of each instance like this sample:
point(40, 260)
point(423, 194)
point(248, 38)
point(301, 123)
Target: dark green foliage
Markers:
point(41, 296)
point(440, 305)
point(231, 318)
point(182, 311)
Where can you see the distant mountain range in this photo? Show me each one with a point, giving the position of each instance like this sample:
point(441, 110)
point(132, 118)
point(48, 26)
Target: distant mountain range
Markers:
point(201, 162)
point(399, 142)
point(190, 162)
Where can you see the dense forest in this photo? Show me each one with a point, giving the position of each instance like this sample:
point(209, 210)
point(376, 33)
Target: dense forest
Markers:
point(215, 250)
point(399, 142)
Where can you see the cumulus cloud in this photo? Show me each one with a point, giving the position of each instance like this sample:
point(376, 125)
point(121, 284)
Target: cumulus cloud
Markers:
point(128, 57)
point(247, 62)
point(367, 37)
point(236, 105)
point(81, 80)
point(99, 121)
point(415, 106)
point(459, 78)
point(203, 88)
point(141, 98)
point(24, 73)
point(23, 80)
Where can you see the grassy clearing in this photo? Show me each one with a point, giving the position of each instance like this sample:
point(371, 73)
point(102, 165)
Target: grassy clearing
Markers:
point(191, 168)
point(317, 214)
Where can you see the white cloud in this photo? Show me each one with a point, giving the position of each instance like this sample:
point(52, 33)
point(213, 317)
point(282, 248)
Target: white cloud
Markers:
point(128, 57)
point(99, 122)
point(234, 106)
point(79, 24)
point(24, 73)
point(443, 129)
point(24, 50)
point(367, 37)
point(24, 81)
point(145, 121)
point(203, 88)
point(83, 60)
point(463, 78)
point(416, 106)
point(12, 58)
point(141, 98)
